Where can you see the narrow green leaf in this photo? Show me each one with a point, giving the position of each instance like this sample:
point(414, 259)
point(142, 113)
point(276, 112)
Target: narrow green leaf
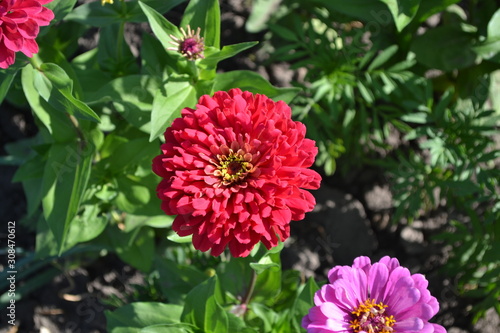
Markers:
point(6, 79)
point(66, 174)
point(304, 301)
point(383, 57)
point(228, 51)
point(204, 14)
point(161, 27)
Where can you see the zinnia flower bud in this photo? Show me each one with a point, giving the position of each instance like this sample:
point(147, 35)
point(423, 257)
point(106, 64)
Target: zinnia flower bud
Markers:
point(191, 45)
point(234, 171)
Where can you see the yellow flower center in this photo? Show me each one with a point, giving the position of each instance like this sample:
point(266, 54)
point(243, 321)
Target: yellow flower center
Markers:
point(370, 317)
point(233, 167)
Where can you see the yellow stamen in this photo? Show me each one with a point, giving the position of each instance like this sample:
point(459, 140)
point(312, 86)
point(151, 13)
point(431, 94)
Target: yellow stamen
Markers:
point(370, 318)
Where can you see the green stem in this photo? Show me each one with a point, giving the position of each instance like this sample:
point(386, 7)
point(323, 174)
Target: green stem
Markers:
point(250, 290)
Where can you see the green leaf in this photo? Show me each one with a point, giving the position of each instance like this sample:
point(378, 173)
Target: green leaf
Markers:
point(304, 301)
point(161, 27)
point(203, 308)
point(134, 317)
point(174, 237)
point(491, 46)
point(6, 79)
point(131, 153)
point(56, 87)
point(268, 283)
point(262, 10)
point(113, 52)
point(179, 95)
point(159, 221)
point(181, 278)
point(60, 8)
point(228, 51)
point(86, 226)
point(383, 57)
point(368, 10)
point(264, 263)
point(135, 248)
point(132, 194)
point(54, 121)
point(402, 11)
point(66, 174)
point(132, 97)
point(445, 48)
point(168, 328)
point(251, 81)
point(204, 14)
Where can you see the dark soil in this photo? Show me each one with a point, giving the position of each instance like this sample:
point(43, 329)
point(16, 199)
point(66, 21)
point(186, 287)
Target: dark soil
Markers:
point(351, 219)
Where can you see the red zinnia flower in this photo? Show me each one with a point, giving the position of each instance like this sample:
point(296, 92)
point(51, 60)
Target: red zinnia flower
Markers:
point(20, 22)
point(234, 171)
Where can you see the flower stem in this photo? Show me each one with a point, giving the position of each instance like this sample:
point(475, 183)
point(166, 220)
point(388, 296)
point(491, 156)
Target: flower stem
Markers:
point(250, 289)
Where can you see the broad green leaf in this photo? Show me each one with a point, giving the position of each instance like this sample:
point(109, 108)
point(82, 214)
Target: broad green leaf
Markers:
point(204, 14)
point(60, 8)
point(86, 226)
point(54, 121)
point(203, 309)
point(251, 81)
point(155, 61)
point(131, 194)
point(179, 95)
point(368, 10)
point(56, 87)
point(131, 153)
point(131, 96)
point(66, 174)
point(135, 248)
point(445, 48)
point(161, 27)
point(113, 52)
point(94, 14)
point(134, 317)
point(402, 11)
point(181, 278)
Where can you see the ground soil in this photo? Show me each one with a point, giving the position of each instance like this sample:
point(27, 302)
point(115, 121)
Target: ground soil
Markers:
point(352, 208)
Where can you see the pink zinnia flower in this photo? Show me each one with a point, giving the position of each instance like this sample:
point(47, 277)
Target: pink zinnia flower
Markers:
point(20, 22)
point(234, 171)
point(379, 298)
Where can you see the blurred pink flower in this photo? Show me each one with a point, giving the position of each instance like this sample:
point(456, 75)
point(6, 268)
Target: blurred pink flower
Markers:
point(234, 171)
point(20, 22)
point(379, 298)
